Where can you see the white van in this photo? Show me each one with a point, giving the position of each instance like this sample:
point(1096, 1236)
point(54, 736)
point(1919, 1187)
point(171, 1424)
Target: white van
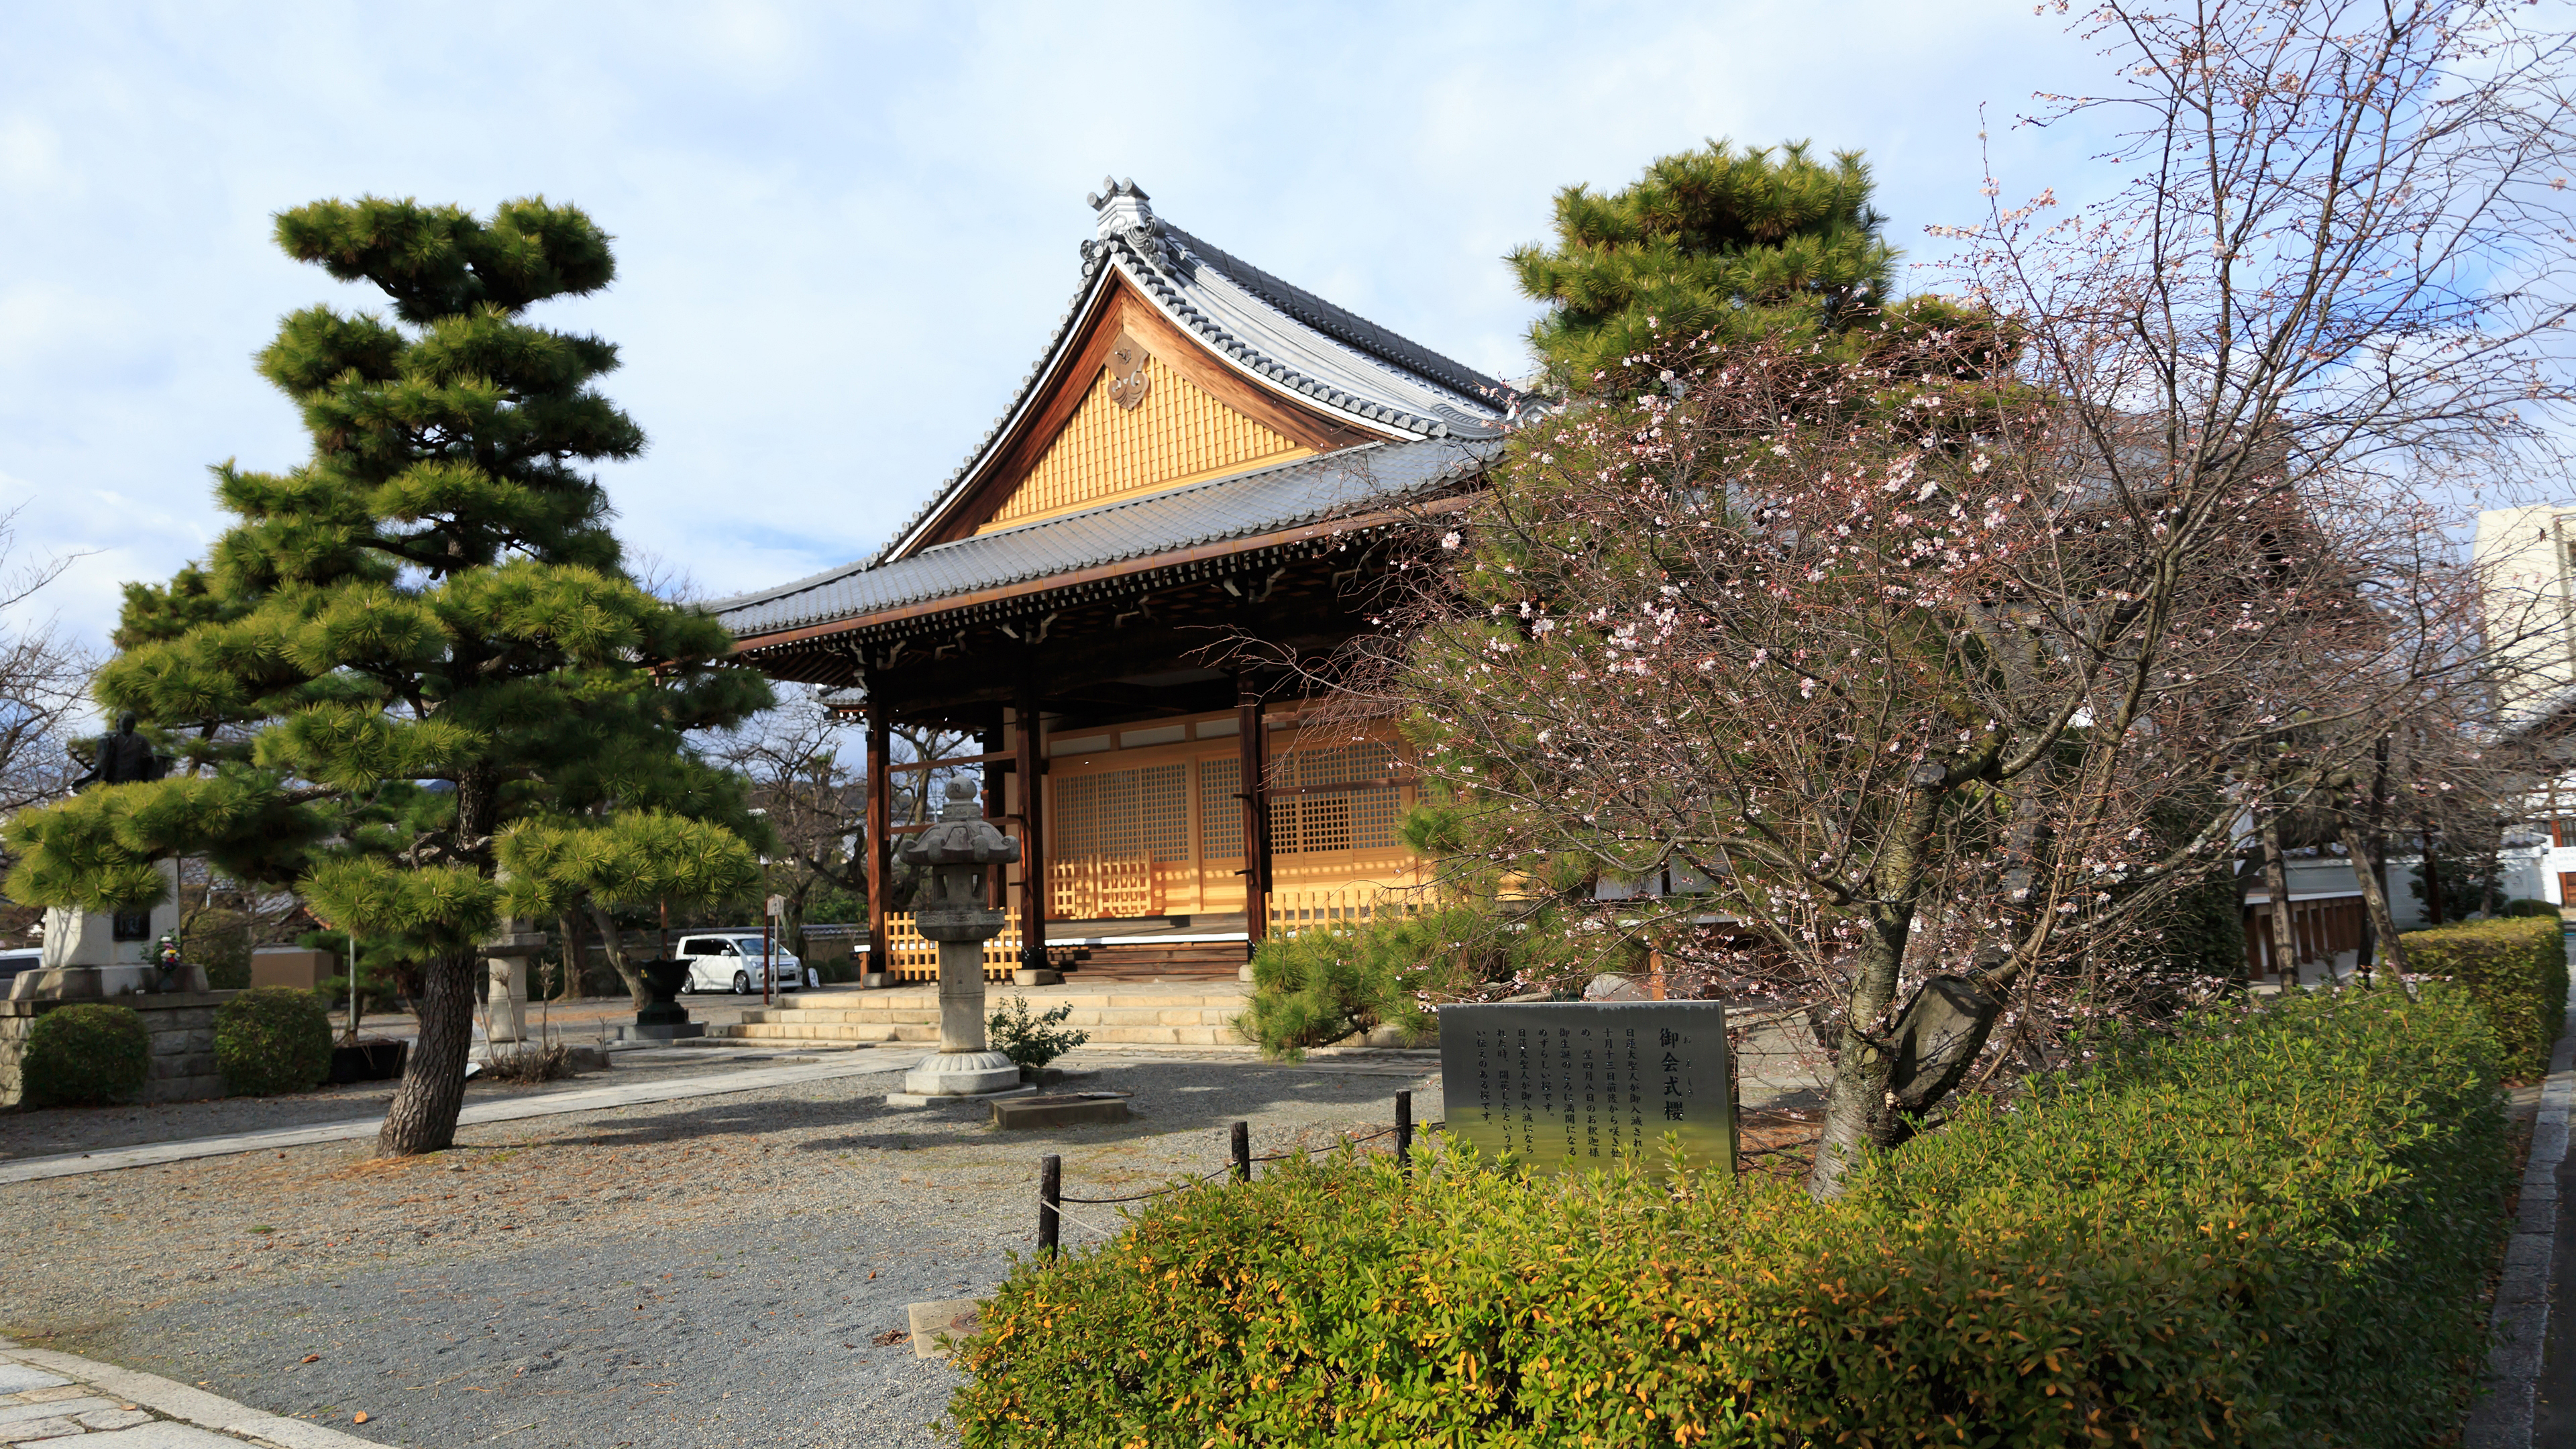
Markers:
point(731, 961)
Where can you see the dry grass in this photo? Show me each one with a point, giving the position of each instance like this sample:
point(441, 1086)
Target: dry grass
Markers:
point(531, 1064)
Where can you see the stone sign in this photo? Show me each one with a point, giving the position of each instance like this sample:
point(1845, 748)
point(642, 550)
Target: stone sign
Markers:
point(1577, 1085)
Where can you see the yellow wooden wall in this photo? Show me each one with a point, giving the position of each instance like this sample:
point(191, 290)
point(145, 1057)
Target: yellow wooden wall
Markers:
point(1177, 435)
point(1159, 828)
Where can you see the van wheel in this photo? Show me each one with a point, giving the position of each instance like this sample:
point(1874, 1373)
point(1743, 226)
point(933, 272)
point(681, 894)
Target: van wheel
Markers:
point(742, 983)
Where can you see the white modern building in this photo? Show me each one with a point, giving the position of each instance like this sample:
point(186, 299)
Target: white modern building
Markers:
point(2525, 559)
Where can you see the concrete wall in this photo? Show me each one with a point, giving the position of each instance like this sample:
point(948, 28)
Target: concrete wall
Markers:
point(182, 1025)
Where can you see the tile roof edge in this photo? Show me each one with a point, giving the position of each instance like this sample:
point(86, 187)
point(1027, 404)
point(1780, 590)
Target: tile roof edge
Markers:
point(1347, 326)
point(1472, 455)
point(1095, 278)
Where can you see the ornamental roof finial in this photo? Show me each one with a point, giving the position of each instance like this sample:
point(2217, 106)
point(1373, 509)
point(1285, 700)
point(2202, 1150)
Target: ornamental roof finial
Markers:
point(1125, 214)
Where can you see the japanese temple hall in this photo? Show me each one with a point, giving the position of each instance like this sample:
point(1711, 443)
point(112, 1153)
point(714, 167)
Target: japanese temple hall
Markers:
point(1199, 458)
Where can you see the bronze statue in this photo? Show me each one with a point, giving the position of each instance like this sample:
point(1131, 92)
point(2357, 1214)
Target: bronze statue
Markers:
point(123, 758)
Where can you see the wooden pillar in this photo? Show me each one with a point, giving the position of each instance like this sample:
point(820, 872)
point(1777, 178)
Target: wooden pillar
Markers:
point(880, 844)
point(994, 805)
point(1253, 745)
point(1031, 766)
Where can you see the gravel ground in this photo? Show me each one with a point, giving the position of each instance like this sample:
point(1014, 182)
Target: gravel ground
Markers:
point(702, 1272)
point(89, 1129)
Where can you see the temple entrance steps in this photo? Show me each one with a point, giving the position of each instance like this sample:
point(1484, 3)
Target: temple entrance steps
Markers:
point(1212, 961)
point(1113, 1013)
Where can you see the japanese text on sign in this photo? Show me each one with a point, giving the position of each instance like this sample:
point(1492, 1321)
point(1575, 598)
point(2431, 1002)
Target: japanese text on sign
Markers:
point(1583, 1084)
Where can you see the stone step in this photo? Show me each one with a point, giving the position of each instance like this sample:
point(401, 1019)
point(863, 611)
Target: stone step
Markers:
point(787, 1033)
point(892, 1006)
point(1080, 1016)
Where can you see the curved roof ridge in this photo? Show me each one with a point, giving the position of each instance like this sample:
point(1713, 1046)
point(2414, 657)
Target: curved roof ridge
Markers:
point(1344, 325)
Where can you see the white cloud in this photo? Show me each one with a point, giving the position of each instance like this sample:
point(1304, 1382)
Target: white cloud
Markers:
point(843, 238)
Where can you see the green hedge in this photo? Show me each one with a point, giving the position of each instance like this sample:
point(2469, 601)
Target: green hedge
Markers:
point(2271, 1230)
point(2516, 968)
point(86, 1052)
point(273, 1039)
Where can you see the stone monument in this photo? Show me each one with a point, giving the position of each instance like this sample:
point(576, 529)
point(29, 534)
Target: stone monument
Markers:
point(110, 953)
point(958, 850)
point(1569, 1086)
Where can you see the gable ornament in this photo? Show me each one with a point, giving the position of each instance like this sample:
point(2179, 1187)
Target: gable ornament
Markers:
point(1127, 379)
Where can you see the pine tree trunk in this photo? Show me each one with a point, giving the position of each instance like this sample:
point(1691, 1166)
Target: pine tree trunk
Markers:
point(613, 946)
point(423, 1115)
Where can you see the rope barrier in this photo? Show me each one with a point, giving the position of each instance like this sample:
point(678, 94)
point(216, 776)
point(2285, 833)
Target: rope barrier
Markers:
point(1051, 1200)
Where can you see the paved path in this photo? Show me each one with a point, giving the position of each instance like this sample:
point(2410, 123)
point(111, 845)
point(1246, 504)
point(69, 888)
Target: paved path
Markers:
point(55, 1398)
point(2531, 1368)
point(551, 1104)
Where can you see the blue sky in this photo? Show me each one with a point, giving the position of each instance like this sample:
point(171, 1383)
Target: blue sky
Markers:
point(844, 232)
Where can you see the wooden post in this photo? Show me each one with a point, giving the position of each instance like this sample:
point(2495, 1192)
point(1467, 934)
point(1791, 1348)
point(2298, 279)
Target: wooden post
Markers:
point(1404, 1133)
point(997, 888)
point(880, 845)
point(1243, 1152)
point(1253, 750)
point(1050, 1200)
point(1031, 765)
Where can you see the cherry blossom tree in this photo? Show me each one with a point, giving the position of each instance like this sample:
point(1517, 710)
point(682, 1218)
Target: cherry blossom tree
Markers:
point(1953, 668)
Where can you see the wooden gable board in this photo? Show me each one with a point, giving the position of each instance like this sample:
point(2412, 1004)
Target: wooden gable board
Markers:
point(1077, 448)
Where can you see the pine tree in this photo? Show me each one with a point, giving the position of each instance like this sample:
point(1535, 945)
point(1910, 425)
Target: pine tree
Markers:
point(413, 679)
point(1737, 245)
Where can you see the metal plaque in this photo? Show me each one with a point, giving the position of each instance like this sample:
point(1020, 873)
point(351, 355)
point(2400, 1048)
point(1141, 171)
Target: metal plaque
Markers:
point(1579, 1085)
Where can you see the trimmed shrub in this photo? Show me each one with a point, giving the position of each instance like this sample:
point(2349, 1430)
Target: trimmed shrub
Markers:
point(2517, 970)
point(2529, 906)
point(272, 1039)
point(2270, 1229)
point(1322, 985)
point(219, 941)
point(1031, 1041)
point(86, 1052)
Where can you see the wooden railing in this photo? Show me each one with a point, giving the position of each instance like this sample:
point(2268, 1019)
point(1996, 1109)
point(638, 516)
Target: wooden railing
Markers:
point(1295, 910)
point(909, 956)
point(1093, 889)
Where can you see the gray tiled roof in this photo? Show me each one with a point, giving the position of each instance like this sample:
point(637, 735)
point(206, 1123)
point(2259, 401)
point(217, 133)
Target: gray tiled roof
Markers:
point(1245, 505)
point(1281, 337)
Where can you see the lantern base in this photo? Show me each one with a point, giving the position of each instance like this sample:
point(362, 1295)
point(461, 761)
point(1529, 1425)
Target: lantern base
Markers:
point(953, 1075)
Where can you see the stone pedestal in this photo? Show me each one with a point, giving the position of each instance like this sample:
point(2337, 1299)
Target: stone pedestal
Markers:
point(964, 1067)
point(663, 1017)
point(116, 983)
point(506, 1008)
point(506, 956)
point(182, 1027)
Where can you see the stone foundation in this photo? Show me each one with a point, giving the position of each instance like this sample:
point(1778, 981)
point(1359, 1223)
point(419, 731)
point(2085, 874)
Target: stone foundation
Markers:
point(182, 1024)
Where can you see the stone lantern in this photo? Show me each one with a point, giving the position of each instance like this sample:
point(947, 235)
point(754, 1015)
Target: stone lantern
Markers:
point(958, 850)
